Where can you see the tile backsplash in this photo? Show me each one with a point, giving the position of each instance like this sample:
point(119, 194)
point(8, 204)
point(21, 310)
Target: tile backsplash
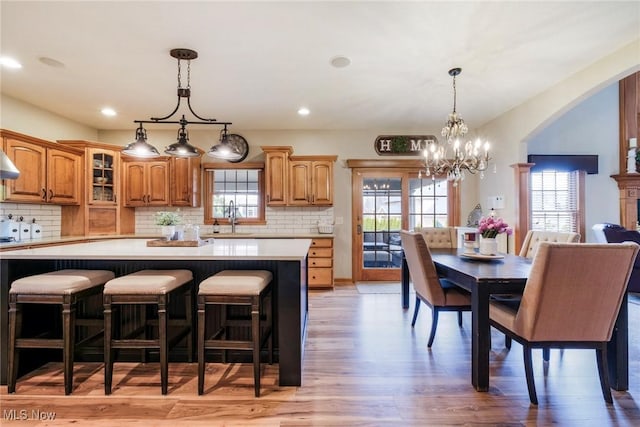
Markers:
point(289, 220)
point(47, 216)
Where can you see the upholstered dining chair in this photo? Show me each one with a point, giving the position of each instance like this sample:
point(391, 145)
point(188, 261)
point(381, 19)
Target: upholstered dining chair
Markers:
point(440, 237)
point(571, 300)
point(534, 237)
point(437, 293)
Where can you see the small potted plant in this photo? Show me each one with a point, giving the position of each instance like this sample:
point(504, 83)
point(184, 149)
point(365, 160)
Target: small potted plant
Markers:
point(168, 220)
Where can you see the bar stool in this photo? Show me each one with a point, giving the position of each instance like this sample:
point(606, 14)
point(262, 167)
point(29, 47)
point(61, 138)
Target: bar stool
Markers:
point(64, 287)
point(147, 287)
point(236, 287)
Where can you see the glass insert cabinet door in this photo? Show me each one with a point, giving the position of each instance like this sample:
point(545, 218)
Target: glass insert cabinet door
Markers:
point(103, 179)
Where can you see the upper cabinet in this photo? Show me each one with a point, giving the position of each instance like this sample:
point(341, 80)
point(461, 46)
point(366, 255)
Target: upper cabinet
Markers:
point(276, 172)
point(49, 172)
point(145, 182)
point(311, 180)
point(298, 180)
point(186, 178)
point(101, 212)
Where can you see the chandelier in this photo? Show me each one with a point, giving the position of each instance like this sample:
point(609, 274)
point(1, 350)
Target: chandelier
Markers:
point(181, 148)
point(452, 157)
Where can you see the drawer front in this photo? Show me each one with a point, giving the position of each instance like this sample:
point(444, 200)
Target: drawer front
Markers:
point(321, 252)
point(321, 276)
point(322, 243)
point(320, 262)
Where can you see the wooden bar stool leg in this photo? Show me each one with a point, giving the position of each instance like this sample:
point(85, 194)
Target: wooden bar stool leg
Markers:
point(223, 319)
point(269, 311)
point(108, 351)
point(201, 350)
point(162, 336)
point(145, 331)
point(15, 326)
point(255, 335)
point(68, 338)
point(189, 320)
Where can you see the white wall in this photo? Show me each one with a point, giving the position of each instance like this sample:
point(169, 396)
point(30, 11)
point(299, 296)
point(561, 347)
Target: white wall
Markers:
point(592, 127)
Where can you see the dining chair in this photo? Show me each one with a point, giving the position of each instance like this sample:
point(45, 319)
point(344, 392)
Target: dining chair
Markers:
point(437, 293)
point(528, 250)
point(534, 237)
point(571, 300)
point(440, 237)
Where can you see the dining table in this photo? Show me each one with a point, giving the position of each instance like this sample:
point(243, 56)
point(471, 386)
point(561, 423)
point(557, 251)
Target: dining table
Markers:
point(507, 274)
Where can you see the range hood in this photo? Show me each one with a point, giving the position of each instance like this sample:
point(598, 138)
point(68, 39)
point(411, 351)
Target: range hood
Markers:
point(7, 169)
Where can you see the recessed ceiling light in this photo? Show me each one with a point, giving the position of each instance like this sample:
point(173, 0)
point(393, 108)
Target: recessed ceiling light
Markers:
point(51, 62)
point(109, 112)
point(340, 61)
point(303, 111)
point(7, 62)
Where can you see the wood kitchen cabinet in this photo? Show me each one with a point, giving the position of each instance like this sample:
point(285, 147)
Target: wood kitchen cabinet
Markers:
point(49, 172)
point(311, 180)
point(186, 179)
point(101, 212)
point(320, 263)
point(276, 166)
point(145, 182)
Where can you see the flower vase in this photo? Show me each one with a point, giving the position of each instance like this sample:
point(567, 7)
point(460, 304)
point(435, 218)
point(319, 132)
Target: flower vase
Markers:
point(488, 246)
point(168, 231)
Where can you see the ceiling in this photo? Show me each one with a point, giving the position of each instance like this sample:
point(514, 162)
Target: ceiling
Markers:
point(260, 61)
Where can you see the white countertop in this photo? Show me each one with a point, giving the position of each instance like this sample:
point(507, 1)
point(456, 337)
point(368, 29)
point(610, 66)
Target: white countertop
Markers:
point(249, 249)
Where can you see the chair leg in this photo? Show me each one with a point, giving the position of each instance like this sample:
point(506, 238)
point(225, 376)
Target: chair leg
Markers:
point(269, 311)
point(460, 318)
point(162, 336)
point(601, 357)
point(528, 370)
point(546, 353)
point(189, 319)
point(223, 319)
point(108, 351)
point(68, 337)
point(507, 342)
point(415, 312)
point(255, 336)
point(434, 325)
point(15, 326)
point(201, 349)
point(145, 331)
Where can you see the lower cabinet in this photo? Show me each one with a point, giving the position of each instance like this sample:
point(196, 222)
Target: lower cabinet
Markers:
point(320, 263)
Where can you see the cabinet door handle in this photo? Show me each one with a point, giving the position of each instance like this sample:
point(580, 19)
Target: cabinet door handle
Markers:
point(268, 198)
point(115, 199)
point(44, 194)
point(50, 194)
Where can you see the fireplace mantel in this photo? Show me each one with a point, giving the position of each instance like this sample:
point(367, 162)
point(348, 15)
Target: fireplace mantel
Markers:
point(629, 186)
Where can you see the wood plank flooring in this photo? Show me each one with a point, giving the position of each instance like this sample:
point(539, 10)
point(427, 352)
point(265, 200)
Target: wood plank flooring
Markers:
point(364, 366)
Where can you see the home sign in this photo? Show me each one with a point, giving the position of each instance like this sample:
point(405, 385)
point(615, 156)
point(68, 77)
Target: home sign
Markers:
point(403, 145)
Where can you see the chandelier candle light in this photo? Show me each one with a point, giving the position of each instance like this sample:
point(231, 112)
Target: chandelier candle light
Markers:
point(473, 156)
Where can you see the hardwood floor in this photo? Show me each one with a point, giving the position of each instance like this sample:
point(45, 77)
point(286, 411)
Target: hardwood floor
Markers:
point(364, 366)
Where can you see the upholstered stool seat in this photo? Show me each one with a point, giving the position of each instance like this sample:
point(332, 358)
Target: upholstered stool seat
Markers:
point(64, 287)
point(236, 287)
point(145, 288)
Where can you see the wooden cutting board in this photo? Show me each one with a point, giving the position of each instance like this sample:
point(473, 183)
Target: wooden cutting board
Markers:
point(179, 243)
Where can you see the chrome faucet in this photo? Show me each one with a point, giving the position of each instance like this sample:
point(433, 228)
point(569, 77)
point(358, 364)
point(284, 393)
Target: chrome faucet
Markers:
point(232, 216)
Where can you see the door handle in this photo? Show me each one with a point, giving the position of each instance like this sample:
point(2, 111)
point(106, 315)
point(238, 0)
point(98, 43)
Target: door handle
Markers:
point(359, 229)
point(44, 194)
point(50, 194)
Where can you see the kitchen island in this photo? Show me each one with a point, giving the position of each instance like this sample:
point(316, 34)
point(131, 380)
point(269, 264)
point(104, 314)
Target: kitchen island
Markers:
point(285, 258)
